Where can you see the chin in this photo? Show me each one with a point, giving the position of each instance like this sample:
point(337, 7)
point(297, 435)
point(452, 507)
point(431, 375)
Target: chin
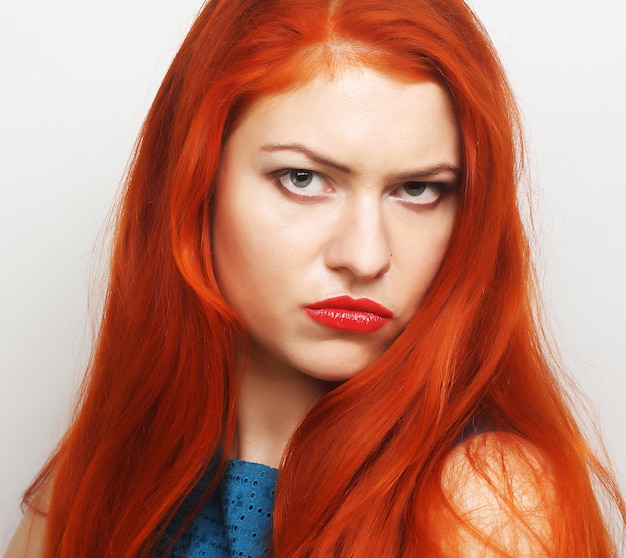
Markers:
point(337, 372)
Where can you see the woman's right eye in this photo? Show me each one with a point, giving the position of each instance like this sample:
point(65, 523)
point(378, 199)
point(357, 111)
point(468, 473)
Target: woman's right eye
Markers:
point(303, 182)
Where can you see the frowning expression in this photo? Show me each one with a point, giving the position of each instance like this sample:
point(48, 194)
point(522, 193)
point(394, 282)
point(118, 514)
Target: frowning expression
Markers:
point(334, 205)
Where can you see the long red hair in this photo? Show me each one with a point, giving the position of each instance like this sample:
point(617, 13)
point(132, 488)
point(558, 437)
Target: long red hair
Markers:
point(159, 400)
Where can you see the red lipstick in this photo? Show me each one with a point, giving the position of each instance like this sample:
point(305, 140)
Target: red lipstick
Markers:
point(345, 313)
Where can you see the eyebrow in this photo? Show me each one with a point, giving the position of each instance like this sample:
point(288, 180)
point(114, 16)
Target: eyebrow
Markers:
point(418, 174)
point(315, 157)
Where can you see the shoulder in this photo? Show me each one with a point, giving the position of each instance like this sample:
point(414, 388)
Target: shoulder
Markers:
point(499, 496)
point(28, 540)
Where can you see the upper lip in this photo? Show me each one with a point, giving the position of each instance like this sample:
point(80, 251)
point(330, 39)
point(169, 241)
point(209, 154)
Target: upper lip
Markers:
point(349, 303)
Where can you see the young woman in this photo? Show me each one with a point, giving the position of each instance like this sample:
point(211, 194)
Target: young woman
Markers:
point(320, 335)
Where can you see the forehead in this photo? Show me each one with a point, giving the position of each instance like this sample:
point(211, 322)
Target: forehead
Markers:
point(361, 116)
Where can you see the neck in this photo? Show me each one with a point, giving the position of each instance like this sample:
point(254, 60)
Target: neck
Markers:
point(273, 400)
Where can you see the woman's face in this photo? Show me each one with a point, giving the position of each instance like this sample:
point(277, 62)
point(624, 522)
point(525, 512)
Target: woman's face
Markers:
point(334, 206)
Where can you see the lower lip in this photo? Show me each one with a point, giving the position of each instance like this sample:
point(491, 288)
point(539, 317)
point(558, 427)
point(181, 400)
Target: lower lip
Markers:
point(347, 320)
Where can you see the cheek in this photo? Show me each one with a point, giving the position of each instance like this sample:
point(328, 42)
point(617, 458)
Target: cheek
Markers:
point(250, 253)
point(228, 242)
point(424, 257)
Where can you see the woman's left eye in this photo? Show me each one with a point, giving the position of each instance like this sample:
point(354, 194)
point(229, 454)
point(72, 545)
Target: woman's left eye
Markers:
point(302, 182)
point(420, 193)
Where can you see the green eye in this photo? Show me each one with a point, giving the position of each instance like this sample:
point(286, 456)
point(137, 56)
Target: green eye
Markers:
point(301, 178)
point(415, 188)
point(420, 193)
point(303, 183)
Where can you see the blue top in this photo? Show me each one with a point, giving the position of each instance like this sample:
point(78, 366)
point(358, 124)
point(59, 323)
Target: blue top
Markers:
point(236, 521)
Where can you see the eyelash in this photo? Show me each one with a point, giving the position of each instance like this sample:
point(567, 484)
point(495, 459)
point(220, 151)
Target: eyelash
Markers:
point(441, 189)
point(283, 175)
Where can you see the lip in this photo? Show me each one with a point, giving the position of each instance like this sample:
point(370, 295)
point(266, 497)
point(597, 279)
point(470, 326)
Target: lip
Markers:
point(348, 314)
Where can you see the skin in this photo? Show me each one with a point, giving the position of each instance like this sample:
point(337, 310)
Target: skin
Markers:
point(369, 214)
point(278, 247)
point(27, 541)
point(503, 487)
point(282, 240)
point(475, 477)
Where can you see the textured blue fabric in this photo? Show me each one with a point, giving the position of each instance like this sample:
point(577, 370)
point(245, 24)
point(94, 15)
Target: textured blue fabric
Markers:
point(236, 521)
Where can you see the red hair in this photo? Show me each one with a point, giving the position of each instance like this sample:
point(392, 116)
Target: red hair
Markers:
point(159, 400)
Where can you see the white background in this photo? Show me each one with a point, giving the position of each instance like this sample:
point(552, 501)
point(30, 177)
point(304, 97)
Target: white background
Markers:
point(76, 80)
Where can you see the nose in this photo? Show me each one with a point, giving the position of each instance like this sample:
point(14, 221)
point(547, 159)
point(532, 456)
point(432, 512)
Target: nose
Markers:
point(358, 241)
